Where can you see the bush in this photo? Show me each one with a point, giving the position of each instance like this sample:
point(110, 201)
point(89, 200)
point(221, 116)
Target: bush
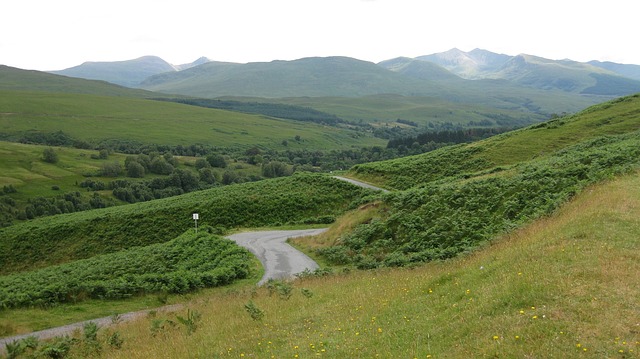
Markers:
point(49, 155)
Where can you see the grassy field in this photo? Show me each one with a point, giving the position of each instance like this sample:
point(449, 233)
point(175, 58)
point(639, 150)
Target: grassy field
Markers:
point(22, 167)
point(97, 118)
point(561, 287)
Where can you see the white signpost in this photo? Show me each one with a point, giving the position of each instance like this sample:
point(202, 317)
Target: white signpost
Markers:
point(195, 218)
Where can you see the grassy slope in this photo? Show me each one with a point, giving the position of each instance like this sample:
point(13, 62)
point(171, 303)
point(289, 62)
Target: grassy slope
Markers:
point(615, 117)
point(561, 287)
point(95, 118)
point(15, 79)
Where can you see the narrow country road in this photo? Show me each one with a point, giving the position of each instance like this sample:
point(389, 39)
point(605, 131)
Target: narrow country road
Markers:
point(279, 259)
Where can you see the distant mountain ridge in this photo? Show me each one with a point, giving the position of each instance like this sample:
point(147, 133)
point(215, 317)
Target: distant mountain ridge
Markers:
point(343, 76)
point(312, 76)
point(128, 73)
point(476, 64)
point(592, 78)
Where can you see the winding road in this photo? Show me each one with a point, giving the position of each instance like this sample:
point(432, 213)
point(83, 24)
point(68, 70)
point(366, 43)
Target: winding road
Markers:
point(279, 259)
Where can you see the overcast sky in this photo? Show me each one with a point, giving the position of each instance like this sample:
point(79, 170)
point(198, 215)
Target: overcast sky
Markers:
point(56, 34)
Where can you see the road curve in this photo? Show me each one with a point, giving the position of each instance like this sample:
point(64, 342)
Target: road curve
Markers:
point(279, 259)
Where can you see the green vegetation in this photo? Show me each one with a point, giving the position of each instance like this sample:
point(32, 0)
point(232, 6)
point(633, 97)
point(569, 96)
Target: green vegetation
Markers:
point(302, 198)
point(560, 287)
point(441, 219)
point(184, 264)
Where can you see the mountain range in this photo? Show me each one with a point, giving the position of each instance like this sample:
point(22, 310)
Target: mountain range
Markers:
point(453, 86)
point(343, 76)
point(126, 73)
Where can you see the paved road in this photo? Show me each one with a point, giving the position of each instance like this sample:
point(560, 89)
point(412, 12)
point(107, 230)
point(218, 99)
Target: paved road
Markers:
point(279, 259)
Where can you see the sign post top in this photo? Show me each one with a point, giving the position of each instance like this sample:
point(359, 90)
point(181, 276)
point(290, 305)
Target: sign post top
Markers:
point(195, 216)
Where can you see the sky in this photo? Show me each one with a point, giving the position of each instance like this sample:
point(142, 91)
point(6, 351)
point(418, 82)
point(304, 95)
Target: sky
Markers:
point(57, 34)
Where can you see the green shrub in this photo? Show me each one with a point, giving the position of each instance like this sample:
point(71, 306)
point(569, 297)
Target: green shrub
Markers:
point(184, 264)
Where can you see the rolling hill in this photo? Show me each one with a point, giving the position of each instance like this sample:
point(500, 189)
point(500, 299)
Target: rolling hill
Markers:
point(128, 73)
point(626, 70)
point(509, 149)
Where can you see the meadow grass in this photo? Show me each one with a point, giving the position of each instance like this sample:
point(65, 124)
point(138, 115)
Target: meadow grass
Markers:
point(564, 286)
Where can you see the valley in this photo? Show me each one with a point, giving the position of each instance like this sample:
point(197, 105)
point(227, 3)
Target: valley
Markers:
point(511, 232)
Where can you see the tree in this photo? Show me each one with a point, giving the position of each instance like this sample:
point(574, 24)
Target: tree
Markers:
point(135, 169)
point(208, 176)
point(49, 155)
point(160, 166)
point(202, 163)
point(217, 161)
point(112, 169)
point(275, 169)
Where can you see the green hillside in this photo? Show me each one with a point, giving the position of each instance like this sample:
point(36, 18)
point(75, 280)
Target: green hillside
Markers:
point(610, 118)
point(96, 119)
point(531, 292)
point(302, 198)
point(562, 287)
point(15, 79)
